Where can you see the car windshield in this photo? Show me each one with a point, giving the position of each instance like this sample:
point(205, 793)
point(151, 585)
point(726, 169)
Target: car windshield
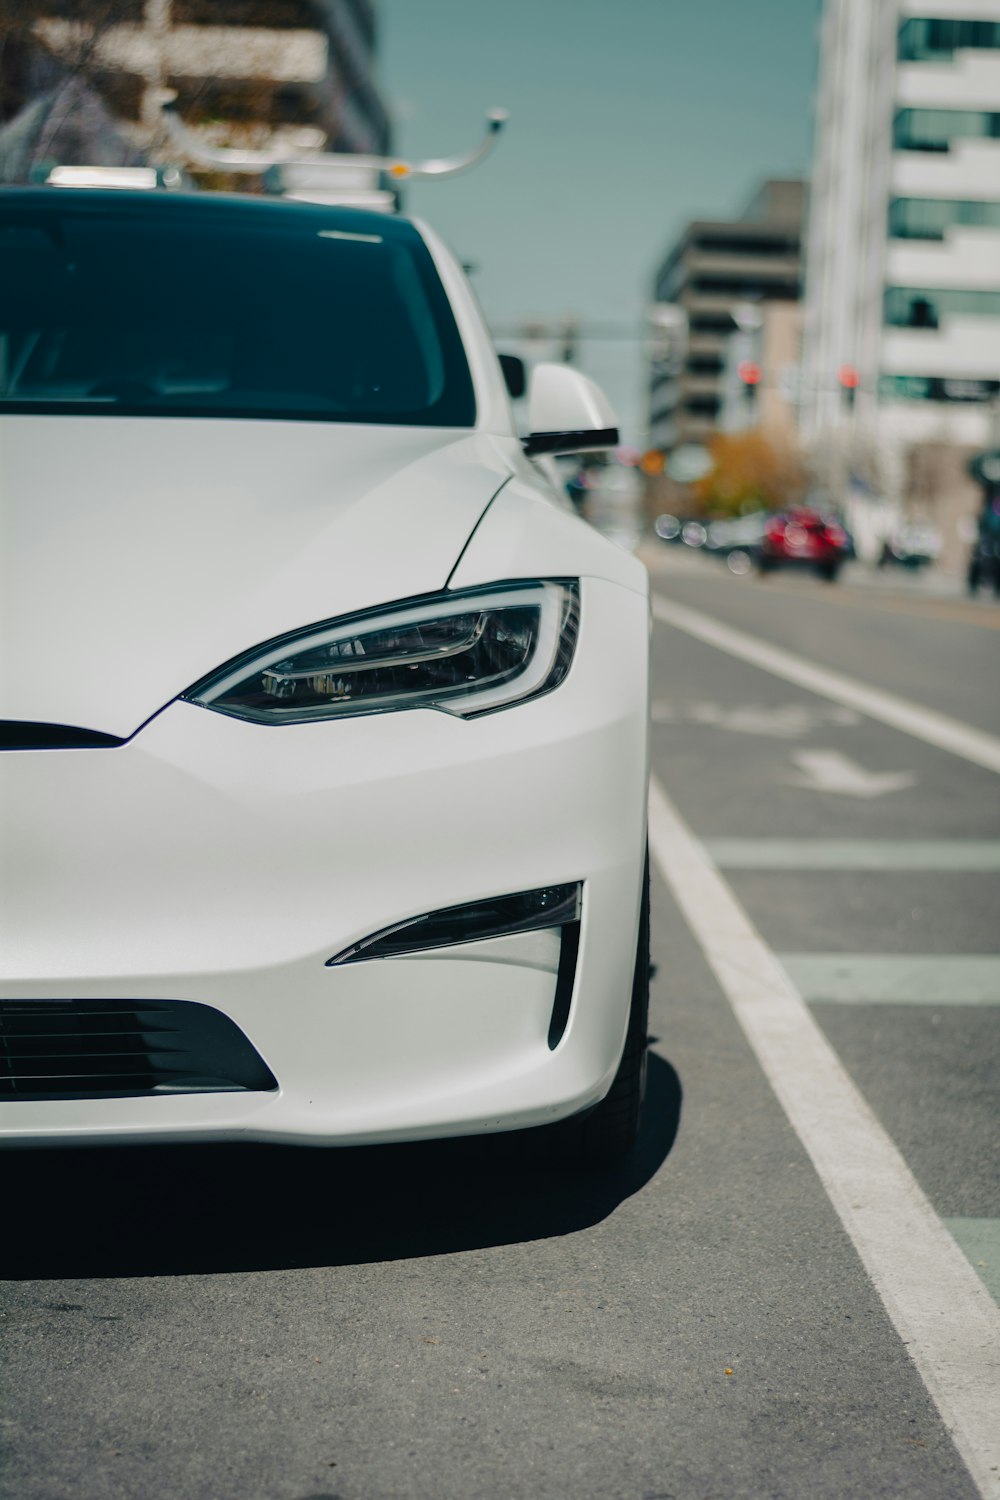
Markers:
point(163, 306)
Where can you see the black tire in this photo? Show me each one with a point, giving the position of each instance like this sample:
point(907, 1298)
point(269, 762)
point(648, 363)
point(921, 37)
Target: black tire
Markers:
point(607, 1133)
point(828, 571)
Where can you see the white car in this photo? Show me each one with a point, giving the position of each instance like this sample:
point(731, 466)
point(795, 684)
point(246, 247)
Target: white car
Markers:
point(324, 721)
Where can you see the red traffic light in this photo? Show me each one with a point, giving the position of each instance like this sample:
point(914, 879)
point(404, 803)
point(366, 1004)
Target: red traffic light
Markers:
point(748, 371)
point(848, 377)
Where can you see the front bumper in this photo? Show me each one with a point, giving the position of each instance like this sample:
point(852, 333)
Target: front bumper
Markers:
point(221, 862)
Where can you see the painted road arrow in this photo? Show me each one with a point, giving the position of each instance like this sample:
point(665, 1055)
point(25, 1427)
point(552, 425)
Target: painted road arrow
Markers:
point(829, 771)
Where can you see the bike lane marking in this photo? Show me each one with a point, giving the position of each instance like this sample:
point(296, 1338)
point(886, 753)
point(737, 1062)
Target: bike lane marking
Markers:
point(958, 856)
point(940, 1308)
point(925, 724)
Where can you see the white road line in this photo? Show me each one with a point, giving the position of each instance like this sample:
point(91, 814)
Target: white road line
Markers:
point(940, 1308)
point(896, 978)
point(907, 855)
point(923, 723)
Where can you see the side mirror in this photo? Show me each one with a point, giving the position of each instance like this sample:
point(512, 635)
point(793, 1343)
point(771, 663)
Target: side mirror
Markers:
point(515, 375)
point(567, 413)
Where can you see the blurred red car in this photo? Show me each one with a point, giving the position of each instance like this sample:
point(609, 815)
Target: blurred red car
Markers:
point(802, 538)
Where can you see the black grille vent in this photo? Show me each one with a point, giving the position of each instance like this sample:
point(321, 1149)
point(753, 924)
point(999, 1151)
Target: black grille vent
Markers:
point(77, 1049)
point(24, 734)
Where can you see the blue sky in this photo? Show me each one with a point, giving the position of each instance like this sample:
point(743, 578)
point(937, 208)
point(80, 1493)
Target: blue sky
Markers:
point(628, 117)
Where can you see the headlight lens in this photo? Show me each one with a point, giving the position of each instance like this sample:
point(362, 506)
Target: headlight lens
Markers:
point(467, 653)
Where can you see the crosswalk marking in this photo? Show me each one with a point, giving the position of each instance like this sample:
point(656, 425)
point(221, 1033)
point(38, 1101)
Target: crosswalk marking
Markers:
point(971, 855)
point(896, 978)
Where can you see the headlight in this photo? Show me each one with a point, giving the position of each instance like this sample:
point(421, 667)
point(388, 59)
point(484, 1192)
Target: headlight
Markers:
point(466, 653)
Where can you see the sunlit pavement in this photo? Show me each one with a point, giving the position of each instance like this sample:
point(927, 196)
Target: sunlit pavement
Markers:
point(721, 1319)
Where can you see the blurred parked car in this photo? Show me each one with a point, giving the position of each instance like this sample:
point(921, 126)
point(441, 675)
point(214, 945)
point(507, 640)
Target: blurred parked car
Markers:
point(802, 538)
point(694, 534)
point(738, 541)
point(681, 531)
point(911, 547)
point(614, 504)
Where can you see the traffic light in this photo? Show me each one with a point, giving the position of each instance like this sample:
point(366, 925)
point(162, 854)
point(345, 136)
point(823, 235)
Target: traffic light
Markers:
point(849, 380)
point(748, 371)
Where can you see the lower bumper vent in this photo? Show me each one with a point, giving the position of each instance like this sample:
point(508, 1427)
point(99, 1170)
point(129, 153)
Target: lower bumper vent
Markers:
point(106, 1049)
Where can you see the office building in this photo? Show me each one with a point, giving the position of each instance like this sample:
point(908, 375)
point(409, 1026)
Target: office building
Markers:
point(715, 270)
point(901, 353)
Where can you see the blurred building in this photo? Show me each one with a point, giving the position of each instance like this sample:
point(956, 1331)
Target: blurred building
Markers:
point(80, 79)
point(714, 272)
point(901, 363)
point(760, 375)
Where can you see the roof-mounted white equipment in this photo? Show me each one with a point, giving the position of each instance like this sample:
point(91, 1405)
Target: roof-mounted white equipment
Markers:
point(350, 180)
point(55, 175)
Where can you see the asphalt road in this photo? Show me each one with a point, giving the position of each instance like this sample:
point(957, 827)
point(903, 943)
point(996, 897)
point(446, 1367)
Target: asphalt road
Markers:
point(451, 1321)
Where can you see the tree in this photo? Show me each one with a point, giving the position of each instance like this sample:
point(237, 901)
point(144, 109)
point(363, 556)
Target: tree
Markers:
point(750, 472)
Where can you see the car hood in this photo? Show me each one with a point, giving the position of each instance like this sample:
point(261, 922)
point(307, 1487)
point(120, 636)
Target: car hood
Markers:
point(138, 554)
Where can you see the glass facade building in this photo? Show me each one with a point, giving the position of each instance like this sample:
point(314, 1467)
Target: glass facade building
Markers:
point(903, 247)
point(903, 256)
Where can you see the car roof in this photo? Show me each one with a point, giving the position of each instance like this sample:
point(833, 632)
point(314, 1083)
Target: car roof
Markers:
point(262, 211)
